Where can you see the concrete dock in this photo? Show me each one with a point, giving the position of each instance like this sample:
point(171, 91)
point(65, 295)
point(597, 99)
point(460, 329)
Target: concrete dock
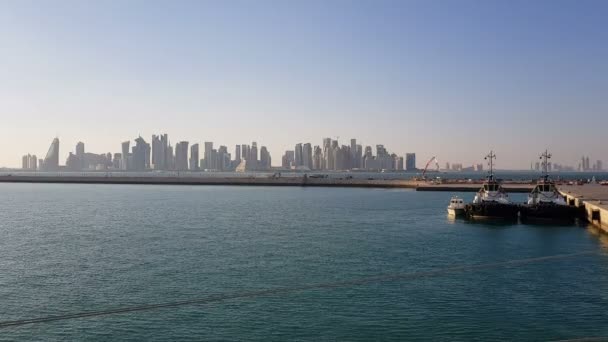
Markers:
point(593, 198)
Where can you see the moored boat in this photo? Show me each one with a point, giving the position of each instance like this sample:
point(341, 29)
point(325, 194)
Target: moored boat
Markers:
point(456, 206)
point(492, 201)
point(545, 202)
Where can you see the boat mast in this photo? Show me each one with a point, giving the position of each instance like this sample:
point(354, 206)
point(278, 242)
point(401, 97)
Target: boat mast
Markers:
point(491, 157)
point(545, 156)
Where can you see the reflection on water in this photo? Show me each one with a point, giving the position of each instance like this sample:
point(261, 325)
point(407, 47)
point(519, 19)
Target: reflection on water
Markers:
point(601, 235)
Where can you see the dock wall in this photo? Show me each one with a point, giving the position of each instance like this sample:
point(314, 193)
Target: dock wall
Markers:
point(593, 201)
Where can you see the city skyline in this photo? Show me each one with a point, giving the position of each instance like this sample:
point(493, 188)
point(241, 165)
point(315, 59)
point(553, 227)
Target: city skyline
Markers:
point(161, 154)
point(451, 80)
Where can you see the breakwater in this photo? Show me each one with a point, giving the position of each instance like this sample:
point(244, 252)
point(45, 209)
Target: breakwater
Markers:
point(202, 179)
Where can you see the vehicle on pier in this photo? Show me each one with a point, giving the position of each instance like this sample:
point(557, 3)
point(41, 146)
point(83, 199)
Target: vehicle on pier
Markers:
point(545, 202)
point(492, 201)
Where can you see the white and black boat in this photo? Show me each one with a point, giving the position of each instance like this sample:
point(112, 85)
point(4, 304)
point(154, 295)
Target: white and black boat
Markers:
point(545, 202)
point(492, 201)
point(456, 206)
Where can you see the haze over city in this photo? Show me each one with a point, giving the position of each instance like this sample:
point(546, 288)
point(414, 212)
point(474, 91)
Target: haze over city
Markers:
point(447, 79)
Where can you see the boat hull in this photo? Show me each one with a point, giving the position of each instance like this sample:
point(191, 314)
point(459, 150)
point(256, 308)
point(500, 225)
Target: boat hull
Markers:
point(492, 210)
point(549, 211)
point(456, 212)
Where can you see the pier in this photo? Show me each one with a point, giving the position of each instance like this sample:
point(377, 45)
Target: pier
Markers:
point(593, 198)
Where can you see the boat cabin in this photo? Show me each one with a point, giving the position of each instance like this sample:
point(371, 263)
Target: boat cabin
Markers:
point(456, 201)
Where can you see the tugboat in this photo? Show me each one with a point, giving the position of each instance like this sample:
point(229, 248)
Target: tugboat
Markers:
point(492, 201)
point(545, 202)
point(456, 207)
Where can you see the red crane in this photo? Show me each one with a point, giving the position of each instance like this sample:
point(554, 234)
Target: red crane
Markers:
point(427, 166)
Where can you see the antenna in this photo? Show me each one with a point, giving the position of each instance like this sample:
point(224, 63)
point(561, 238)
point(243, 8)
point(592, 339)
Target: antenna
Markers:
point(545, 157)
point(491, 156)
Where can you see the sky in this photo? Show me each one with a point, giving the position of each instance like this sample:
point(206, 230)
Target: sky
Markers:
point(451, 79)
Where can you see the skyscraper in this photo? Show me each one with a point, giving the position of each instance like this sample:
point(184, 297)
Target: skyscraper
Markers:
point(160, 150)
point(299, 160)
point(125, 155)
point(80, 155)
point(209, 162)
point(252, 162)
point(194, 158)
point(29, 162)
point(410, 161)
point(265, 160)
point(141, 155)
point(307, 156)
point(326, 154)
point(288, 160)
point(353, 154)
point(181, 156)
point(51, 161)
point(237, 154)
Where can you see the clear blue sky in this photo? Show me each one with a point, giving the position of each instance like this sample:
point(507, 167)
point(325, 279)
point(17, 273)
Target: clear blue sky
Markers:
point(446, 78)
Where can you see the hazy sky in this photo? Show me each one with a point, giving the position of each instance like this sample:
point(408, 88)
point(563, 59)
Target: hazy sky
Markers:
point(446, 78)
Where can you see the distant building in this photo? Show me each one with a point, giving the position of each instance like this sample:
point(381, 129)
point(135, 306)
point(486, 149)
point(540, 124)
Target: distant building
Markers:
point(29, 162)
point(140, 155)
point(237, 154)
point(317, 158)
point(299, 158)
point(209, 157)
point(181, 156)
point(410, 161)
point(194, 158)
point(288, 160)
point(265, 159)
point(160, 151)
point(125, 155)
point(398, 163)
point(307, 156)
point(51, 161)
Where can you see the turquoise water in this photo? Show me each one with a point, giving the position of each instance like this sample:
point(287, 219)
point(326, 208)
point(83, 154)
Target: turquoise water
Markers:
point(73, 248)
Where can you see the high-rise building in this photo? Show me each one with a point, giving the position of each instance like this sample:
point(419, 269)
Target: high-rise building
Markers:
point(209, 162)
point(140, 155)
point(51, 161)
point(307, 156)
point(299, 160)
point(353, 154)
point(410, 161)
point(181, 156)
point(398, 163)
point(194, 158)
point(160, 150)
point(80, 149)
point(317, 158)
point(125, 155)
point(222, 158)
point(29, 162)
point(237, 153)
point(252, 162)
point(265, 159)
point(80, 156)
point(326, 154)
point(288, 160)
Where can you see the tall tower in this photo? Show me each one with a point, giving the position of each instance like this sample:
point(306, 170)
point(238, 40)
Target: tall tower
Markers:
point(51, 161)
point(194, 158)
